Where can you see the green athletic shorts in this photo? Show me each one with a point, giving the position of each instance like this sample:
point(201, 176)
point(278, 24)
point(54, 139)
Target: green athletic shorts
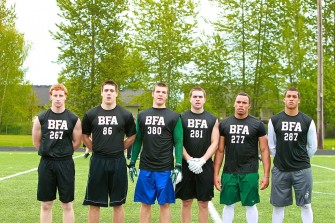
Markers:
point(239, 187)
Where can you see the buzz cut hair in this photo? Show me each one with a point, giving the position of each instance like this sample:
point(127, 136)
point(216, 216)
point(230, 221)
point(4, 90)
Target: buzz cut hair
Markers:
point(58, 87)
point(197, 88)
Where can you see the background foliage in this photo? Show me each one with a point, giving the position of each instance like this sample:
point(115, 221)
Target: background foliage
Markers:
point(261, 47)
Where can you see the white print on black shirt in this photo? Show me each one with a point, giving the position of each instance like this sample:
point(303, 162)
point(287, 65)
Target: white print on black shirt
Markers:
point(198, 124)
point(240, 131)
point(58, 126)
point(291, 130)
point(107, 120)
point(154, 120)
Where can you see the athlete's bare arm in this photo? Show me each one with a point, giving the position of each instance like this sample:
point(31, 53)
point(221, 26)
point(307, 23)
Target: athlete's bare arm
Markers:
point(265, 154)
point(218, 158)
point(36, 133)
point(76, 135)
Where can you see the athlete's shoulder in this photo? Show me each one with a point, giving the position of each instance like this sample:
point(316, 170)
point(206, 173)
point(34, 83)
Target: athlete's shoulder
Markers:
point(227, 121)
point(306, 119)
point(278, 116)
point(44, 115)
point(94, 110)
point(253, 119)
point(71, 113)
point(123, 110)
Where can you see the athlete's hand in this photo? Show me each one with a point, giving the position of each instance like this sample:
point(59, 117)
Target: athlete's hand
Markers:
point(176, 175)
point(132, 171)
point(264, 183)
point(217, 183)
point(195, 165)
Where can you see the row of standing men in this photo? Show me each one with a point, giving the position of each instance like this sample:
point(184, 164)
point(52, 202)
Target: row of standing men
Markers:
point(175, 156)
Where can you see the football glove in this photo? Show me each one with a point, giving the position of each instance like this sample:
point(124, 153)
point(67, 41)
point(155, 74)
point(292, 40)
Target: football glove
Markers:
point(176, 175)
point(195, 165)
point(132, 171)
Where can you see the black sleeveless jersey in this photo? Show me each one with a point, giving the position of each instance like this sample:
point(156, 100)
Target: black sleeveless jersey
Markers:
point(197, 130)
point(157, 126)
point(241, 144)
point(108, 128)
point(57, 129)
point(291, 136)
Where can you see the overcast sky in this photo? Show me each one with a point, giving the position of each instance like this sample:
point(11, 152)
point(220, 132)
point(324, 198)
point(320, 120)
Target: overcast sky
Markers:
point(35, 18)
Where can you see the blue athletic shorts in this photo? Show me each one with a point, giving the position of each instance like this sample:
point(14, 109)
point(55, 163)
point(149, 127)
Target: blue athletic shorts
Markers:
point(151, 185)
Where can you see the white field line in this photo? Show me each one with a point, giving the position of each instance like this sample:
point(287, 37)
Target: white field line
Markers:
point(214, 214)
point(322, 193)
point(27, 171)
point(323, 167)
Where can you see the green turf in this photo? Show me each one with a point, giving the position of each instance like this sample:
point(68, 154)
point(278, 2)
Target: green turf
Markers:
point(19, 204)
point(16, 140)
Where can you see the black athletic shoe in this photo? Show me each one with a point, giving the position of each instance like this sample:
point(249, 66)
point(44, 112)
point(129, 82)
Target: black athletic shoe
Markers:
point(86, 155)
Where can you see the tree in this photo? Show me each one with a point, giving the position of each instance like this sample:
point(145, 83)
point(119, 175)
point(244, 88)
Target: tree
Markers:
point(13, 51)
point(164, 35)
point(93, 48)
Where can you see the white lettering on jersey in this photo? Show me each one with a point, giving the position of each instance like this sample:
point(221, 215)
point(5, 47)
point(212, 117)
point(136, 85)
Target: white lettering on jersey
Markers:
point(291, 126)
point(107, 120)
point(197, 123)
point(154, 120)
point(57, 124)
point(291, 130)
point(239, 129)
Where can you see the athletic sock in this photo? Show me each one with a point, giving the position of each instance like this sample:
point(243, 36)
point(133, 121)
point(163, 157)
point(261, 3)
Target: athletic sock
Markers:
point(251, 214)
point(228, 213)
point(307, 213)
point(278, 215)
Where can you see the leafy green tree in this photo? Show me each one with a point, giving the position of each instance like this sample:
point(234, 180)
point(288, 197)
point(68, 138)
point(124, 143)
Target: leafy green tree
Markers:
point(93, 48)
point(14, 90)
point(164, 34)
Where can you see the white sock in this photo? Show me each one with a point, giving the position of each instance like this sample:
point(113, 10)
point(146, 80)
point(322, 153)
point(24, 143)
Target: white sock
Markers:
point(228, 213)
point(251, 214)
point(307, 213)
point(278, 215)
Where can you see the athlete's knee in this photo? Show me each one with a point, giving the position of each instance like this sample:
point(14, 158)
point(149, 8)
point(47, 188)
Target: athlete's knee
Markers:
point(67, 206)
point(187, 203)
point(46, 205)
point(203, 204)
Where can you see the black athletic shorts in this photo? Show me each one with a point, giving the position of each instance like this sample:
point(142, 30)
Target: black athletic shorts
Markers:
point(56, 175)
point(196, 186)
point(107, 178)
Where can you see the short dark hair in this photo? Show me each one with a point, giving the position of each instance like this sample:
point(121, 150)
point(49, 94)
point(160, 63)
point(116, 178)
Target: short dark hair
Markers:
point(109, 82)
point(243, 94)
point(292, 89)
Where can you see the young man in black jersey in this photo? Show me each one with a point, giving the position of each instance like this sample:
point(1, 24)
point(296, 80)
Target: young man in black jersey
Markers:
point(292, 142)
point(201, 137)
point(160, 130)
point(240, 137)
point(104, 129)
point(56, 134)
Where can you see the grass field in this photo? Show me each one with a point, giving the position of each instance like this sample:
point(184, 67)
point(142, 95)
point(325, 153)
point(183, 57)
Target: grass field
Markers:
point(19, 204)
point(26, 141)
